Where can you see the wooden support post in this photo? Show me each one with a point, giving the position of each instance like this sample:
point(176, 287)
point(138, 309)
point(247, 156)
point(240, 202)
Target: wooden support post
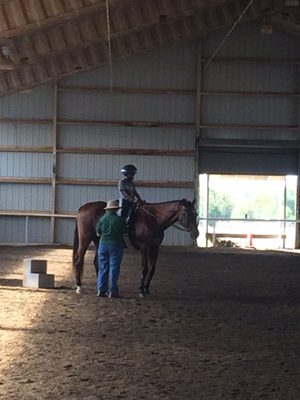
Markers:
point(297, 228)
point(54, 152)
point(198, 120)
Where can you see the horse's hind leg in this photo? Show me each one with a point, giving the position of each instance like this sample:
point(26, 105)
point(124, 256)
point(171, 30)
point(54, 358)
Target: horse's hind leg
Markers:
point(152, 258)
point(145, 259)
point(96, 264)
point(79, 263)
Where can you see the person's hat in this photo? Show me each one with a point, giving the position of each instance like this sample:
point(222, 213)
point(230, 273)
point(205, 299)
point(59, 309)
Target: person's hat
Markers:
point(112, 205)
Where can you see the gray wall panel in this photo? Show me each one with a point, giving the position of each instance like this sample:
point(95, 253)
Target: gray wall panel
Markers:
point(93, 166)
point(16, 196)
point(250, 110)
point(36, 104)
point(247, 41)
point(258, 77)
point(126, 107)
point(37, 165)
point(251, 134)
point(25, 135)
point(168, 67)
point(38, 230)
point(12, 230)
point(123, 137)
point(71, 197)
point(64, 231)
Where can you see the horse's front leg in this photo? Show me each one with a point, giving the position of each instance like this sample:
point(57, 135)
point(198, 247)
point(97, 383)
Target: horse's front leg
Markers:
point(153, 258)
point(145, 259)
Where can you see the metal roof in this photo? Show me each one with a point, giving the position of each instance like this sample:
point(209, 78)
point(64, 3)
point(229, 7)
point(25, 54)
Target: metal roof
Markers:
point(46, 40)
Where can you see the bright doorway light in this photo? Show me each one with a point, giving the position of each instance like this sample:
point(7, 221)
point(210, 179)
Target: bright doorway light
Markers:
point(257, 211)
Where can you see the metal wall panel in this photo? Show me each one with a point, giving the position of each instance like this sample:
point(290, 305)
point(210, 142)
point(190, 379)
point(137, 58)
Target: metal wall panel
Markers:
point(25, 135)
point(24, 230)
point(250, 110)
point(71, 197)
point(34, 104)
point(126, 137)
point(255, 77)
point(94, 166)
point(168, 67)
point(38, 230)
point(126, 107)
point(12, 230)
point(64, 231)
point(25, 197)
point(18, 164)
point(224, 74)
point(248, 41)
point(250, 134)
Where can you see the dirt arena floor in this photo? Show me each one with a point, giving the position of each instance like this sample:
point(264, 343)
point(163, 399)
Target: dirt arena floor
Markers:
point(218, 325)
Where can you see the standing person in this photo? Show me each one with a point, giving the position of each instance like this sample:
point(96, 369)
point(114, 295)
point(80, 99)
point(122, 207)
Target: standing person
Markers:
point(110, 228)
point(128, 193)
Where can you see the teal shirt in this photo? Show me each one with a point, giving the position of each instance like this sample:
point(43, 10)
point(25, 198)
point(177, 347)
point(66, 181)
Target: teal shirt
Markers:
point(111, 228)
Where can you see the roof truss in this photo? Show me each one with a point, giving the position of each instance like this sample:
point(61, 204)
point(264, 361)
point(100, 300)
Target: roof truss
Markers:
point(44, 40)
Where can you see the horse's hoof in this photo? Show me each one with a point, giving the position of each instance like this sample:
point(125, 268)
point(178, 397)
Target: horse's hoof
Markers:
point(142, 294)
point(78, 290)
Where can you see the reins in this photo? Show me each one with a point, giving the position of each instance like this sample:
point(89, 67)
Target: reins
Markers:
point(180, 228)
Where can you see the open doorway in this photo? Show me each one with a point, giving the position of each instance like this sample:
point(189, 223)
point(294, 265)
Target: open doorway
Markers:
point(247, 211)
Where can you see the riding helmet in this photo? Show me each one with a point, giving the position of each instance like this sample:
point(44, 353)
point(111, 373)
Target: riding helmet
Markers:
point(129, 170)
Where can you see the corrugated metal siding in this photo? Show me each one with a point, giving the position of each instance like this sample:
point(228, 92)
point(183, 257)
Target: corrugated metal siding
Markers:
point(24, 230)
point(38, 230)
point(93, 166)
point(126, 107)
point(25, 197)
point(250, 110)
point(168, 67)
point(36, 104)
point(247, 42)
point(228, 76)
point(25, 135)
point(25, 164)
point(12, 229)
point(126, 137)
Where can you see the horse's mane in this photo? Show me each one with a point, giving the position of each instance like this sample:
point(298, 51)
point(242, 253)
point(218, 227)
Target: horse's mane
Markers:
point(182, 201)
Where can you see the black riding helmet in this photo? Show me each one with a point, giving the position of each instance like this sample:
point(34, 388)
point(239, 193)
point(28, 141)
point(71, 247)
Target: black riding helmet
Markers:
point(129, 170)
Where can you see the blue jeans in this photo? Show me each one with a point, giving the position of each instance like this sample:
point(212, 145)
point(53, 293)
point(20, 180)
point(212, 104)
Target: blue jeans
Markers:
point(109, 261)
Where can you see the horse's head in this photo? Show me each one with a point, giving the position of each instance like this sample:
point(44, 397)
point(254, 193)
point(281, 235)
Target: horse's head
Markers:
point(187, 217)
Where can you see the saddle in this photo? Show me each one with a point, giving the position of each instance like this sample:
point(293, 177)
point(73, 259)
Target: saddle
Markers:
point(130, 218)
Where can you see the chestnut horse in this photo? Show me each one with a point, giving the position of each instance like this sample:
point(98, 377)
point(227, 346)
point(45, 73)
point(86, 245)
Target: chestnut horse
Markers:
point(149, 223)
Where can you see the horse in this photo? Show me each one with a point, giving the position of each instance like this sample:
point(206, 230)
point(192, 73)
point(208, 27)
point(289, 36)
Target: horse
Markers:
point(150, 220)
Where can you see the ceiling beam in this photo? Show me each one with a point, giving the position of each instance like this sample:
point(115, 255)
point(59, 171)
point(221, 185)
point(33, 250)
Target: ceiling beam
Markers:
point(48, 22)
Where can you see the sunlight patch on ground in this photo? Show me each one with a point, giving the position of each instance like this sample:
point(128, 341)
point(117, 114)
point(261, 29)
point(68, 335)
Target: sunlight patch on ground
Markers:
point(18, 319)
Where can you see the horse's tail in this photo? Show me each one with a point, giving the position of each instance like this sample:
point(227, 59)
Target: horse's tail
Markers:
point(75, 248)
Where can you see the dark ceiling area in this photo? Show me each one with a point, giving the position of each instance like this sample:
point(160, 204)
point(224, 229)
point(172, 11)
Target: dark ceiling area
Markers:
point(46, 40)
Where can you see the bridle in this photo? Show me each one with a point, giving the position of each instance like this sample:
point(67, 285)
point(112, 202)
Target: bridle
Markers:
point(178, 227)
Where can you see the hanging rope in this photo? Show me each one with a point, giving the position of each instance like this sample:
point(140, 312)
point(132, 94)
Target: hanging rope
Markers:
point(109, 45)
point(229, 33)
